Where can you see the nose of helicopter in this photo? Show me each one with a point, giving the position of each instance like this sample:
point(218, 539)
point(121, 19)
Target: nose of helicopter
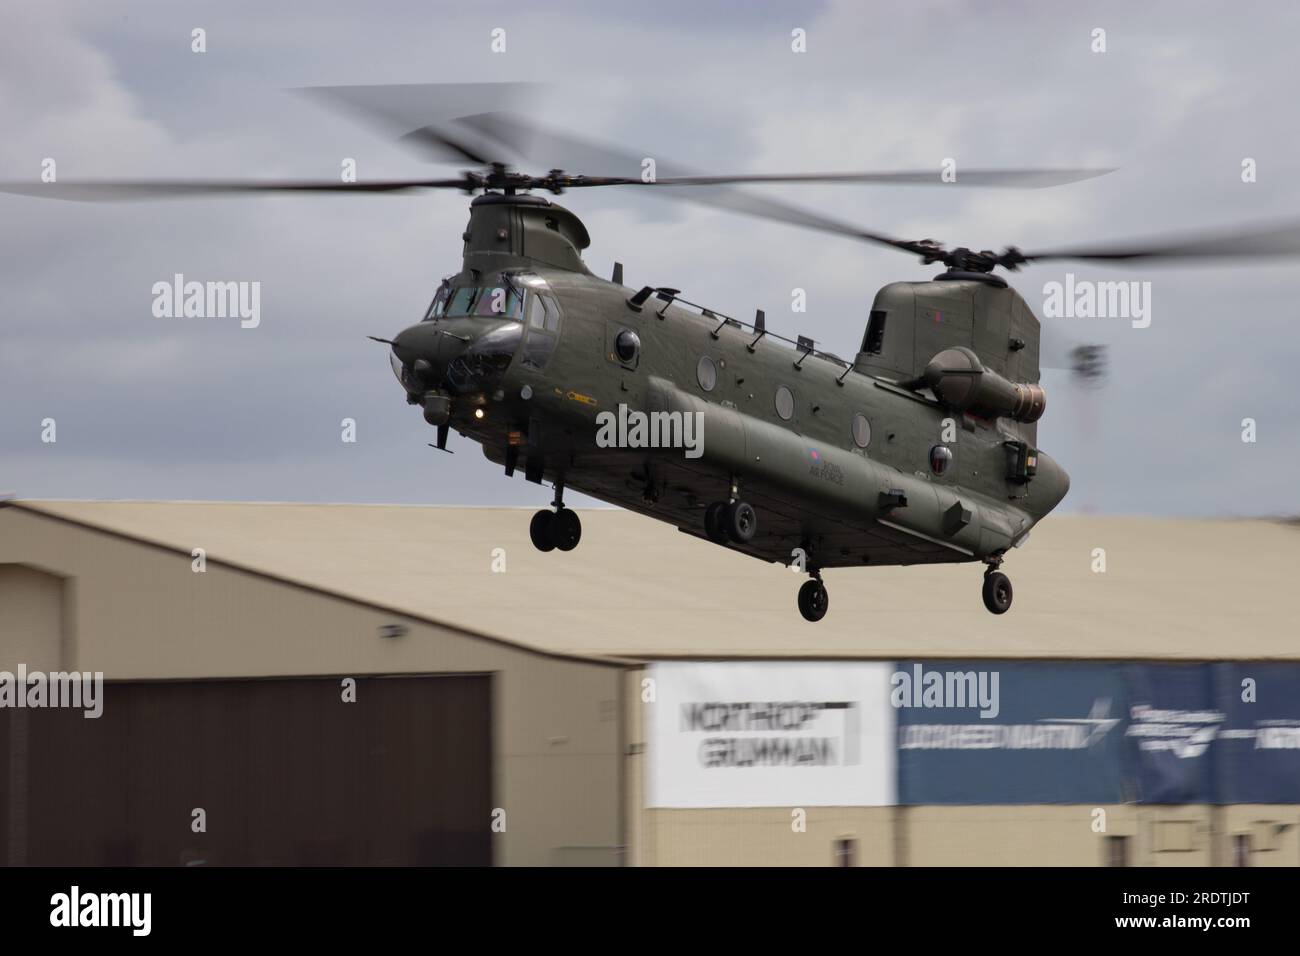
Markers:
point(461, 358)
point(415, 343)
point(420, 356)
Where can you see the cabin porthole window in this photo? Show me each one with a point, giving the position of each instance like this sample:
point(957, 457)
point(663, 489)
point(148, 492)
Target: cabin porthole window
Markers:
point(627, 345)
point(940, 459)
point(784, 403)
point(861, 430)
point(706, 373)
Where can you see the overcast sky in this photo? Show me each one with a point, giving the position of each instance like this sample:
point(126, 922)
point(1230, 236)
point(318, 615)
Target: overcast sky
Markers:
point(202, 409)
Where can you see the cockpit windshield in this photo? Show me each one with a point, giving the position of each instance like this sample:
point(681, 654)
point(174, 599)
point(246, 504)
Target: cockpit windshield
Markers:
point(439, 304)
point(499, 302)
point(503, 299)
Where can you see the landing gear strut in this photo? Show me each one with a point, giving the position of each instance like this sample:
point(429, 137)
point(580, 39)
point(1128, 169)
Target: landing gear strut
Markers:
point(997, 589)
point(560, 528)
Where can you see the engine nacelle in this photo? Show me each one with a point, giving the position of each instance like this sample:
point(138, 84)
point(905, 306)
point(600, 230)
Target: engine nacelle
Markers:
point(959, 379)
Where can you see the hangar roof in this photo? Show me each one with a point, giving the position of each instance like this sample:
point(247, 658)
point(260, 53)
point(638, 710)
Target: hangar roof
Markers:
point(635, 588)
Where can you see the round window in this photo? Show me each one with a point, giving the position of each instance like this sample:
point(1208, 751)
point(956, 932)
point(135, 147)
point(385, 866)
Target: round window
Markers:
point(627, 346)
point(707, 373)
point(861, 430)
point(784, 403)
point(940, 459)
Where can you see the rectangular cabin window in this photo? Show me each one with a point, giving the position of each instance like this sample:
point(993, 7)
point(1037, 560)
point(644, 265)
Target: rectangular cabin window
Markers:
point(874, 340)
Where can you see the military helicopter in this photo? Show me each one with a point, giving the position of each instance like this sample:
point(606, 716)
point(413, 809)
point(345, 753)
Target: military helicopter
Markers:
point(922, 449)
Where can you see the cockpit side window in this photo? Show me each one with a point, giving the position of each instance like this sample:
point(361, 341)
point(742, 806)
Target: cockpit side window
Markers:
point(536, 311)
point(543, 312)
point(438, 306)
point(542, 316)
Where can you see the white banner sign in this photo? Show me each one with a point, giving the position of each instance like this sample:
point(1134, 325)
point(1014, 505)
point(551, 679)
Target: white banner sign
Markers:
point(770, 734)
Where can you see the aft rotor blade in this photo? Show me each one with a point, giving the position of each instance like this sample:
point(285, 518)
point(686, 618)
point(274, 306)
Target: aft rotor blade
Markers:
point(143, 189)
point(1243, 242)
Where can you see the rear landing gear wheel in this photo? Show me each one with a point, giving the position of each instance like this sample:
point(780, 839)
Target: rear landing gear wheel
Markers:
point(997, 592)
point(813, 600)
point(714, 527)
point(539, 529)
point(566, 529)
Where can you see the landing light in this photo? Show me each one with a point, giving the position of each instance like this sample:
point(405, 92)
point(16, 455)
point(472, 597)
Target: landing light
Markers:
point(479, 413)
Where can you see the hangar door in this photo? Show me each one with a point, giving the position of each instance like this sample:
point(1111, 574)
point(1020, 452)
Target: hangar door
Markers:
point(284, 772)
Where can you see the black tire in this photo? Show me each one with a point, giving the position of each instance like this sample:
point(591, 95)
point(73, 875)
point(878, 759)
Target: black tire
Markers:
point(997, 592)
point(813, 600)
point(741, 521)
point(539, 529)
point(566, 529)
point(715, 522)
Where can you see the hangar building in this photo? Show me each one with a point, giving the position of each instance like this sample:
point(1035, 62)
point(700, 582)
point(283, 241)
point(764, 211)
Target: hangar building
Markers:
point(365, 684)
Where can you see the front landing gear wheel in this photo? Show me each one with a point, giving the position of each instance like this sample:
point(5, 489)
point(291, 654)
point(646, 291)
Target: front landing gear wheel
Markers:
point(539, 529)
point(714, 528)
point(813, 600)
point(566, 529)
point(741, 521)
point(997, 592)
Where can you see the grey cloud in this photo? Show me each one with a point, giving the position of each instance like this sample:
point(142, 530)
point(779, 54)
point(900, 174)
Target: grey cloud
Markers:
point(150, 409)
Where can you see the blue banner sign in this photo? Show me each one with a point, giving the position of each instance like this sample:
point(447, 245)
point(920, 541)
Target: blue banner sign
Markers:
point(998, 732)
point(1053, 734)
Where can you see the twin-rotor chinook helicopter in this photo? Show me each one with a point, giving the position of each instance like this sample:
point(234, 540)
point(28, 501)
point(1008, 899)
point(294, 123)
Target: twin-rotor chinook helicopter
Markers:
point(922, 449)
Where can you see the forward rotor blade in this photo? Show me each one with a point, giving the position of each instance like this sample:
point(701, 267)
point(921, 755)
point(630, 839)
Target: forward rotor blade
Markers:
point(141, 189)
point(422, 116)
point(994, 178)
point(599, 161)
point(1256, 241)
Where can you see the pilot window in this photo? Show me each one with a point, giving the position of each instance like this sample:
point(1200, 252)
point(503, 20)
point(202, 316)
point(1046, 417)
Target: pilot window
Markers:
point(502, 301)
point(499, 302)
point(438, 305)
point(461, 301)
